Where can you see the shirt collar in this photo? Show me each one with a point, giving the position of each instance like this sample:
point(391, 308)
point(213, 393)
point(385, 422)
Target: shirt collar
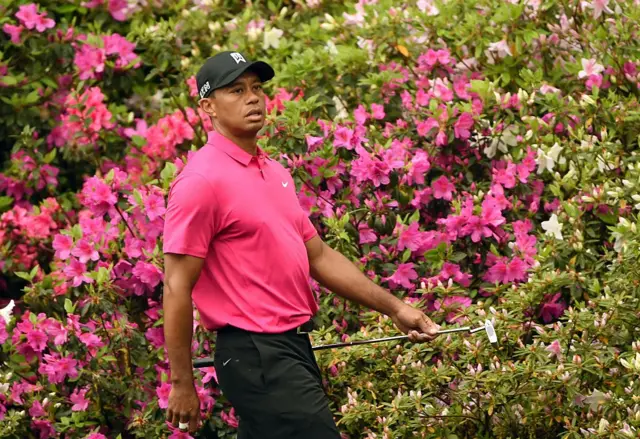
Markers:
point(232, 150)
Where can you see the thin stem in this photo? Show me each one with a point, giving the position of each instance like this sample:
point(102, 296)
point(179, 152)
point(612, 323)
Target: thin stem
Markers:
point(125, 221)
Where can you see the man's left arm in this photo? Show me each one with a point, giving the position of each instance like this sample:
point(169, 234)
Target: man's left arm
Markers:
point(339, 275)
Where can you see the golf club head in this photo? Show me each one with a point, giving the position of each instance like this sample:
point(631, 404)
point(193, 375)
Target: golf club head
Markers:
point(491, 332)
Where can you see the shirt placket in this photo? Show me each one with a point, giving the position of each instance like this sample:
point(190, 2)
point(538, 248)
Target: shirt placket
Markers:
point(261, 163)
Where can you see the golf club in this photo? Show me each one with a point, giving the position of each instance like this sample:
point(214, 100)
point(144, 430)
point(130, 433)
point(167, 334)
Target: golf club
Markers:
point(488, 327)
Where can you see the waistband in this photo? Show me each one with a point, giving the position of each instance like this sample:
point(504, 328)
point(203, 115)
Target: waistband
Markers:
point(302, 329)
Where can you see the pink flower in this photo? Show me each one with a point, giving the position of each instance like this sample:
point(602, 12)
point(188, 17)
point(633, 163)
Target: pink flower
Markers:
point(92, 342)
point(37, 410)
point(115, 44)
point(154, 206)
point(491, 214)
point(450, 270)
point(4, 335)
point(163, 394)
point(443, 188)
point(155, 337)
point(147, 273)
point(420, 165)
point(410, 238)
point(555, 350)
point(594, 81)
point(424, 127)
point(403, 276)
point(90, 61)
point(118, 9)
point(80, 403)
point(57, 369)
point(85, 251)
point(377, 111)
point(76, 270)
point(516, 270)
point(367, 235)
point(343, 137)
point(463, 125)
point(13, 31)
point(45, 427)
point(97, 195)
point(62, 244)
point(552, 307)
point(230, 419)
point(505, 176)
point(96, 436)
point(360, 115)
point(477, 228)
point(37, 340)
point(28, 15)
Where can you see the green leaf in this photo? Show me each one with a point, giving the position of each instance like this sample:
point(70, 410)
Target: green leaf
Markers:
point(23, 275)
point(9, 80)
point(414, 217)
point(458, 256)
point(34, 271)
point(167, 173)
point(50, 156)
point(139, 141)
point(406, 255)
point(5, 201)
point(32, 97)
point(69, 307)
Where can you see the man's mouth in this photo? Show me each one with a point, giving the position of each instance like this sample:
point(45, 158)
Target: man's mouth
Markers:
point(254, 113)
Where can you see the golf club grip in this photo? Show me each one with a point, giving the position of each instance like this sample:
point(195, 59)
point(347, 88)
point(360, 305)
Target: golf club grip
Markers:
point(203, 362)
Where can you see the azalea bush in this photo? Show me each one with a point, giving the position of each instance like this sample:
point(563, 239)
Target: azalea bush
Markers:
point(477, 158)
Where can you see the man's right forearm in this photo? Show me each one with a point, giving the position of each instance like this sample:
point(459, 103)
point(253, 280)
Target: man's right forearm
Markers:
point(178, 332)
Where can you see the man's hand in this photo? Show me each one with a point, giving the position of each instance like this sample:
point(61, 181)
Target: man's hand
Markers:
point(415, 323)
point(184, 406)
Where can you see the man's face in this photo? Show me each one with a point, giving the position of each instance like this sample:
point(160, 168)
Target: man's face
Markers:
point(238, 107)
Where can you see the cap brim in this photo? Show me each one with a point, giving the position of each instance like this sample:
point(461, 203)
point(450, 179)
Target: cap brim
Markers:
point(264, 71)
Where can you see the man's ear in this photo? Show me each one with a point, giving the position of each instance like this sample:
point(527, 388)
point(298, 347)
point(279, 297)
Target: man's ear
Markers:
point(208, 106)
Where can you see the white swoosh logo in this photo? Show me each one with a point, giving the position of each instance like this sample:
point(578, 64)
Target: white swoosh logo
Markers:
point(224, 363)
point(285, 183)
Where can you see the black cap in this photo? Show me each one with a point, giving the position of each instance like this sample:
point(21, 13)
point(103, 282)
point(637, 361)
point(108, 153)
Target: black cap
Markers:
point(224, 68)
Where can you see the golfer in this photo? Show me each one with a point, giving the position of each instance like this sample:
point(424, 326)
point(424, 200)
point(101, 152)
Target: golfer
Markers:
point(238, 244)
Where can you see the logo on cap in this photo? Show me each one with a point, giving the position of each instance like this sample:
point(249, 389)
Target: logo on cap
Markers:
point(204, 89)
point(237, 57)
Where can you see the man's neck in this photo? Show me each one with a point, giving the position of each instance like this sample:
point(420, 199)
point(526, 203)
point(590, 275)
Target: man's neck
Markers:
point(249, 143)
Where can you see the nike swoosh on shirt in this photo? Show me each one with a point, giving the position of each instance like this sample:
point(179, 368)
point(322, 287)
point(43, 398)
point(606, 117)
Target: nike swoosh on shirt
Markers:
point(224, 363)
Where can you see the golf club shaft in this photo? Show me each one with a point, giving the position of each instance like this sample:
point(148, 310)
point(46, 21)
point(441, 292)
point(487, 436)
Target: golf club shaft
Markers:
point(378, 340)
point(208, 362)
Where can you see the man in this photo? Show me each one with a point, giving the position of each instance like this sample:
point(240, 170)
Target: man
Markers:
point(237, 242)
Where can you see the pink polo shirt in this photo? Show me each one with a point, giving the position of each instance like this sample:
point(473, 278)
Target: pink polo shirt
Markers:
point(242, 215)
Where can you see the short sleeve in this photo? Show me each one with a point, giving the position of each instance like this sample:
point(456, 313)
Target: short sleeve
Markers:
point(308, 229)
point(189, 224)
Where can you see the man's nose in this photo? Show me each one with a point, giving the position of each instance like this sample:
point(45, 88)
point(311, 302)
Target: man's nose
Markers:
point(252, 98)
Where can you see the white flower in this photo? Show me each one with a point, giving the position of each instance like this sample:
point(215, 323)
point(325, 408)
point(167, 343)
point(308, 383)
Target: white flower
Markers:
point(500, 48)
point(590, 67)
point(331, 48)
point(502, 142)
point(553, 227)
point(342, 111)
point(634, 364)
point(428, 7)
point(272, 38)
point(603, 425)
point(7, 311)
point(548, 160)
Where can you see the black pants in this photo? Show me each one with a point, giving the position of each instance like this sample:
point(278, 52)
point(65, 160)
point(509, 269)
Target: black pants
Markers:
point(274, 384)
